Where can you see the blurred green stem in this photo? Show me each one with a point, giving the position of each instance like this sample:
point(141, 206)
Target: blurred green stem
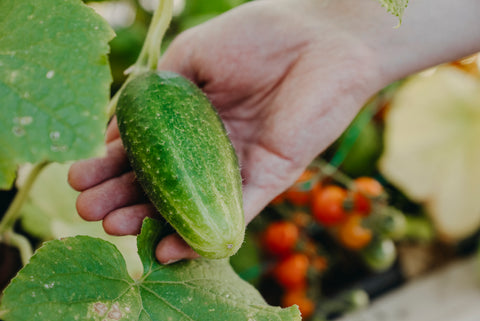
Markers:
point(345, 302)
point(13, 211)
point(352, 133)
point(332, 171)
point(21, 243)
point(150, 53)
point(151, 50)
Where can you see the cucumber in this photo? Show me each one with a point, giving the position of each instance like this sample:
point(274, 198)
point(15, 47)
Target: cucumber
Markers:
point(184, 160)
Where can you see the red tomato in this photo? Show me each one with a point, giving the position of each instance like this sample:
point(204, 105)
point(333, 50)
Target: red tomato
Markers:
point(291, 272)
point(280, 237)
point(299, 297)
point(353, 235)
point(366, 188)
point(328, 205)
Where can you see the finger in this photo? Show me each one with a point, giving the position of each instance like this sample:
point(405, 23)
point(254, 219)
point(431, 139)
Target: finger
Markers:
point(95, 203)
point(128, 220)
point(173, 248)
point(112, 131)
point(88, 173)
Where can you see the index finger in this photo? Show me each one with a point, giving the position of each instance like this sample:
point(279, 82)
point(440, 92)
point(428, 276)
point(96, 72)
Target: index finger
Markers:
point(112, 132)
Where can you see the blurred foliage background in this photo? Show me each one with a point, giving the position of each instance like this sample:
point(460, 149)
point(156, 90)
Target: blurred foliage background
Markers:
point(418, 137)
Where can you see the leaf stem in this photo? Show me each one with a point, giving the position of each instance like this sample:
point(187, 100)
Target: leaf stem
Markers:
point(13, 212)
point(151, 50)
point(21, 243)
point(112, 104)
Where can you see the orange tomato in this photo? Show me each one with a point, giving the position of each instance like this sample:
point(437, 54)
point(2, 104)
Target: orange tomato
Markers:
point(291, 272)
point(317, 187)
point(301, 219)
point(280, 237)
point(277, 200)
point(366, 188)
point(353, 235)
point(469, 65)
point(299, 297)
point(299, 193)
point(328, 205)
point(320, 263)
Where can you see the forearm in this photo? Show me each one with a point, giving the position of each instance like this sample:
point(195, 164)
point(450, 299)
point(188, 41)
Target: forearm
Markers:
point(432, 32)
point(363, 33)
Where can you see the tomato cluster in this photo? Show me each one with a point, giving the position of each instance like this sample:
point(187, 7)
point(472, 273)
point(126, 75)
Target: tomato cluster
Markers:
point(340, 208)
point(344, 211)
point(293, 264)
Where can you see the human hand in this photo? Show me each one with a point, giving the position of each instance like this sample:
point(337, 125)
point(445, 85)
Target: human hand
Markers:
point(286, 77)
point(284, 94)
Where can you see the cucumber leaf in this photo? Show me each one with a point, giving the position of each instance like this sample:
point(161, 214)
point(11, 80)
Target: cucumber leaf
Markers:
point(395, 7)
point(54, 82)
point(432, 148)
point(81, 277)
point(76, 278)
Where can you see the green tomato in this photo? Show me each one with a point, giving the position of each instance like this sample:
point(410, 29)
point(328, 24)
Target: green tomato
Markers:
point(379, 255)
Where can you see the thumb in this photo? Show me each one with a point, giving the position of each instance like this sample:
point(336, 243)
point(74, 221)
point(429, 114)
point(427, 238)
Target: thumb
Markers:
point(179, 56)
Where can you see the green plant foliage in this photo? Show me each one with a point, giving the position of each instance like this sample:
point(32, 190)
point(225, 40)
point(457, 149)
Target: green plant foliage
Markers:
point(246, 262)
point(199, 11)
point(54, 82)
point(363, 154)
point(51, 199)
point(81, 278)
point(49, 213)
point(124, 50)
point(193, 7)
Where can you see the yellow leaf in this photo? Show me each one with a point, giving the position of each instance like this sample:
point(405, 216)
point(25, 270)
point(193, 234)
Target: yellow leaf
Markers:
point(432, 148)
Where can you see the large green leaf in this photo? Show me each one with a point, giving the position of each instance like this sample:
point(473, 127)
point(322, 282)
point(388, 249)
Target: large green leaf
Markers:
point(432, 148)
point(83, 278)
point(54, 82)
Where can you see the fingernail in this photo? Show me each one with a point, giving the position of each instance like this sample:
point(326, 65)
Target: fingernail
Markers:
point(170, 261)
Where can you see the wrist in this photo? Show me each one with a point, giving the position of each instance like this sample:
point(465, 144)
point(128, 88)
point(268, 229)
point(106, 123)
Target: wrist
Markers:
point(432, 32)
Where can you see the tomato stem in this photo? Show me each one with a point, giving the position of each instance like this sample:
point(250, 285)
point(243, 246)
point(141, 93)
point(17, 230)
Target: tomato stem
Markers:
point(332, 171)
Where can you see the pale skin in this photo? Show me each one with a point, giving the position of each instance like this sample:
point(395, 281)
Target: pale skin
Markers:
point(287, 77)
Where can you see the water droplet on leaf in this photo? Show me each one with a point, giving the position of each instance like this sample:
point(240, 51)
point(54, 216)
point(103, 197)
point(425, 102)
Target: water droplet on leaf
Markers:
point(25, 120)
point(59, 148)
point(18, 131)
point(50, 74)
point(55, 135)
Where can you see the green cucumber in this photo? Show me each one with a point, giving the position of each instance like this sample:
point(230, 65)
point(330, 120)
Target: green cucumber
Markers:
point(182, 156)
